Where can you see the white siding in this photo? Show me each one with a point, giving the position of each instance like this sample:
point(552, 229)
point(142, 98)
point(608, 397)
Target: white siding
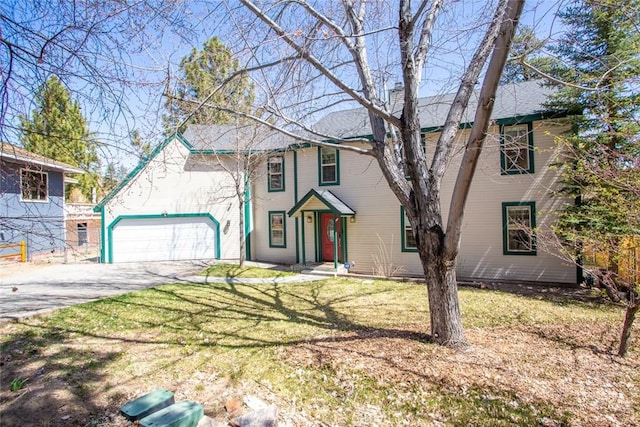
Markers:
point(175, 182)
point(264, 201)
point(375, 237)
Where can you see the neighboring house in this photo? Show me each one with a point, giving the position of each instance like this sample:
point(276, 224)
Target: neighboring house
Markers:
point(312, 204)
point(32, 200)
point(82, 227)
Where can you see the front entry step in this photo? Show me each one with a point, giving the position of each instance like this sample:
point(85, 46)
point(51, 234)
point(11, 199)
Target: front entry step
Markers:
point(325, 269)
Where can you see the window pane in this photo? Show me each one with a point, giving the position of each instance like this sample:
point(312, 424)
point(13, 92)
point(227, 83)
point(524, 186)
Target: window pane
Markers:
point(517, 159)
point(409, 238)
point(519, 240)
point(277, 237)
point(328, 156)
point(277, 229)
point(516, 148)
point(329, 173)
point(276, 182)
point(82, 234)
point(275, 165)
point(519, 229)
point(34, 185)
point(519, 217)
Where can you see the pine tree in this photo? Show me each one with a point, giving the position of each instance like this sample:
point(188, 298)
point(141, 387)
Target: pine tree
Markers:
point(601, 64)
point(202, 73)
point(58, 130)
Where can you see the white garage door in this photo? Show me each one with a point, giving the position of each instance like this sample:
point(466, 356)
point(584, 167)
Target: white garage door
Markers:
point(163, 239)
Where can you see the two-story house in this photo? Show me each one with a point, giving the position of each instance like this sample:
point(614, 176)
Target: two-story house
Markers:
point(32, 200)
point(314, 204)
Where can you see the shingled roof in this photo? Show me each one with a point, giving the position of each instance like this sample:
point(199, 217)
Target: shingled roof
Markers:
point(231, 138)
point(15, 154)
point(512, 100)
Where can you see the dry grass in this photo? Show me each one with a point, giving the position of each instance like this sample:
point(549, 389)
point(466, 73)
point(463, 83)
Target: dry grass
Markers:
point(337, 352)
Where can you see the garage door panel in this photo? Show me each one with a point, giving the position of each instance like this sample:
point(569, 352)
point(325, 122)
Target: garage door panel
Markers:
point(160, 239)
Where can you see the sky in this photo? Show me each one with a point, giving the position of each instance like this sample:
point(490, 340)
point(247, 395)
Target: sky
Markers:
point(147, 62)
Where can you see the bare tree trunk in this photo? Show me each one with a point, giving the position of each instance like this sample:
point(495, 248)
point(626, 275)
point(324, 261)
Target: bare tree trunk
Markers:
point(241, 236)
point(629, 317)
point(444, 309)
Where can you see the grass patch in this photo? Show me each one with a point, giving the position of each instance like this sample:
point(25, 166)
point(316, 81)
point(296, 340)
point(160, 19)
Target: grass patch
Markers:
point(337, 351)
point(248, 272)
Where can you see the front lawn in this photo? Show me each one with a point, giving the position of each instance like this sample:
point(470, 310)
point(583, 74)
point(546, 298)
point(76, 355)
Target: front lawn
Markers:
point(233, 271)
point(333, 352)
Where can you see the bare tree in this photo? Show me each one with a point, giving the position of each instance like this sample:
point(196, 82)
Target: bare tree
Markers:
point(242, 150)
point(320, 53)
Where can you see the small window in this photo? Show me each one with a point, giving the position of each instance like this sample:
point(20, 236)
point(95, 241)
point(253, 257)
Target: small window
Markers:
point(329, 166)
point(516, 149)
point(519, 223)
point(275, 166)
point(408, 237)
point(277, 231)
point(83, 237)
point(34, 185)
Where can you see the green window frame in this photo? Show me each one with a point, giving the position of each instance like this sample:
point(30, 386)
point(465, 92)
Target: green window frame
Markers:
point(516, 149)
point(328, 166)
point(34, 186)
point(518, 228)
point(408, 239)
point(275, 174)
point(277, 229)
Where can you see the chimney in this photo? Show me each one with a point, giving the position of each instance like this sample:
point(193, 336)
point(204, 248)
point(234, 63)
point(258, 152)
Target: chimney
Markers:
point(396, 96)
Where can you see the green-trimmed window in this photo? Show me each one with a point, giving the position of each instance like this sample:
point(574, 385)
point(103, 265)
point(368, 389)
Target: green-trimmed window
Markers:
point(406, 233)
point(275, 173)
point(328, 166)
point(518, 225)
point(516, 149)
point(277, 229)
point(35, 185)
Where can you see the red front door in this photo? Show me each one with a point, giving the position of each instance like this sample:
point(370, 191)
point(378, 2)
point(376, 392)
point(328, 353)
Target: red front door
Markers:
point(327, 225)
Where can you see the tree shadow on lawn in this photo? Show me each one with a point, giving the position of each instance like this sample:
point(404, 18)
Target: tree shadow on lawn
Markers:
point(59, 381)
point(230, 316)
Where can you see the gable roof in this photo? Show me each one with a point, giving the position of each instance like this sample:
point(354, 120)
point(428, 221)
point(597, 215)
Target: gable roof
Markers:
point(15, 154)
point(327, 198)
point(512, 101)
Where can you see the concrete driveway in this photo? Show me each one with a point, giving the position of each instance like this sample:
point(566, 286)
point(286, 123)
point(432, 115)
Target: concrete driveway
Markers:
point(27, 289)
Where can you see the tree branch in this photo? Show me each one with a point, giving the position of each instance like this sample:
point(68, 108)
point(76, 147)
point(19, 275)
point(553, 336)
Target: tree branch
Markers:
point(469, 79)
point(311, 59)
point(480, 126)
point(425, 36)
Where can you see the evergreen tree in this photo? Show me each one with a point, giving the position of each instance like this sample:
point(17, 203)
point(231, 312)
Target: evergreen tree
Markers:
point(58, 130)
point(203, 73)
point(601, 64)
point(525, 45)
point(143, 148)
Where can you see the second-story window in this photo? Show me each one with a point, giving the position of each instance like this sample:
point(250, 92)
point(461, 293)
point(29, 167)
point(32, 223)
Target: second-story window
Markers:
point(275, 171)
point(516, 149)
point(35, 185)
point(329, 166)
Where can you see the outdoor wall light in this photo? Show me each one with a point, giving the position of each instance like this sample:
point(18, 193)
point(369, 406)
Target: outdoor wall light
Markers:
point(309, 219)
point(352, 219)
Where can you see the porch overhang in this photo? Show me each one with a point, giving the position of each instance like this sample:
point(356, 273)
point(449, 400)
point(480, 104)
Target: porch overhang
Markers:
point(330, 201)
